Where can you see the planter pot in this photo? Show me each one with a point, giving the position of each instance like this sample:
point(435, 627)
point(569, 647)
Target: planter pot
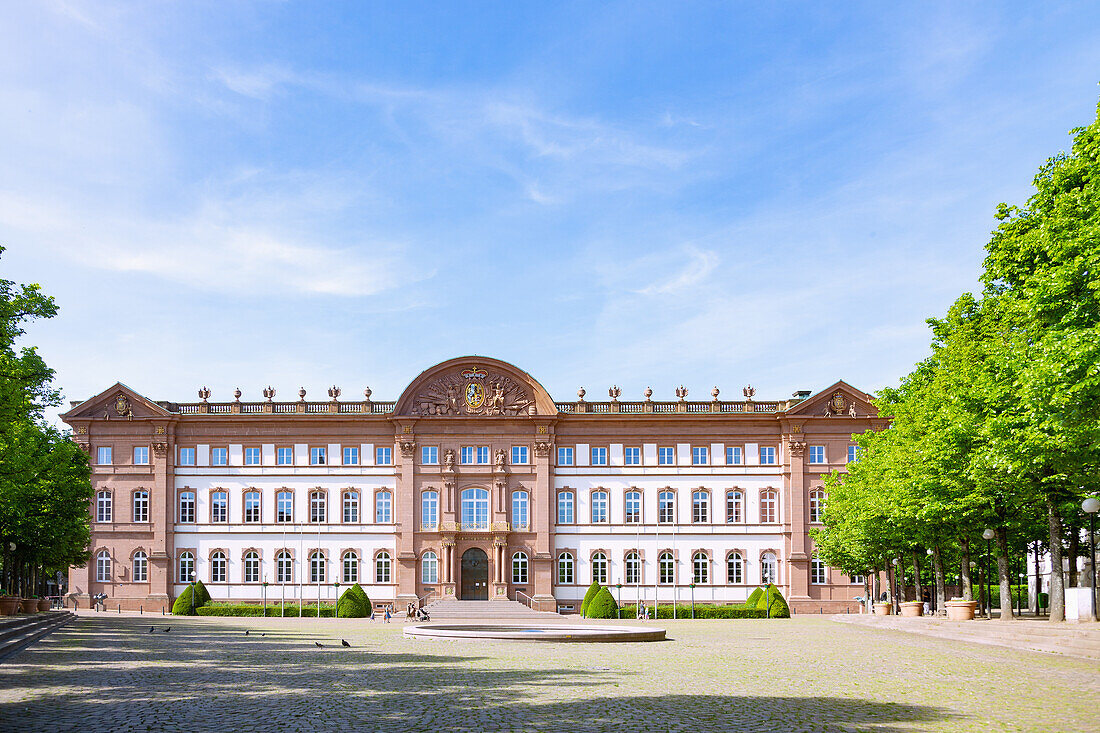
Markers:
point(9, 605)
point(912, 608)
point(43, 604)
point(30, 605)
point(882, 609)
point(961, 610)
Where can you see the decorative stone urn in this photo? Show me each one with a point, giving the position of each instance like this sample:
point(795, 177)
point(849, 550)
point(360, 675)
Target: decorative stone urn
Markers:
point(43, 604)
point(912, 608)
point(960, 610)
point(30, 605)
point(9, 605)
point(882, 609)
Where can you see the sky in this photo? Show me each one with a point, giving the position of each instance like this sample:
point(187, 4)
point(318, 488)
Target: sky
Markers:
point(306, 194)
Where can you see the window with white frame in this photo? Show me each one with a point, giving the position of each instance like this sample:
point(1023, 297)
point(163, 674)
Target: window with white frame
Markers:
point(383, 456)
point(666, 507)
point(251, 456)
point(382, 568)
point(767, 455)
point(768, 502)
point(103, 506)
point(317, 567)
point(735, 506)
point(383, 507)
point(733, 455)
point(351, 567)
point(520, 503)
point(519, 568)
point(632, 568)
point(351, 455)
point(599, 568)
point(700, 568)
point(565, 569)
point(599, 507)
point(187, 457)
point(853, 453)
point(817, 571)
point(219, 456)
point(251, 567)
point(817, 454)
point(666, 569)
point(103, 567)
point(856, 579)
point(187, 507)
point(699, 456)
point(219, 506)
point(700, 507)
point(817, 503)
point(103, 455)
point(140, 567)
point(769, 568)
point(429, 568)
point(429, 510)
point(519, 455)
point(565, 507)
point(141, 455)
point(284, 456)
point(219, 568)
point(284, 507)
point(632, 456)
point(284, 568)
point(252, 507)
point(632, 501)
point(467, 455)
point(185, 567)
point(666, 456)
point(599, 456)
point(429, 455)
point(317, 513)
point(735, 569)
point(565, 456)
point(474, 508)
point(317, 456)
point(351, 507)
point(483, 455)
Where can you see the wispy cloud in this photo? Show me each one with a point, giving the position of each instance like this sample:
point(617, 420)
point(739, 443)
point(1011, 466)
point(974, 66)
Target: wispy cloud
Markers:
point(700, 264)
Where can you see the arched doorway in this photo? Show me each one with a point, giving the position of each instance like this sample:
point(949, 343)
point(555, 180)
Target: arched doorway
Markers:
point(475, 575)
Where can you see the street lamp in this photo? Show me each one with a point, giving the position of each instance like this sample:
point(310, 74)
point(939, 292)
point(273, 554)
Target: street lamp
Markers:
point(192, 592)
point(336, 587)
point(618, 607)
point(693, 601)
point(935, 584)
point(974, 569)
point(264, 584)
point(988, 535)
point(1090, 506)
point(894, 608)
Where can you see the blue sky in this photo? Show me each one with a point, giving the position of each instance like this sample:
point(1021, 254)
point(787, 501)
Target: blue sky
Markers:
point(644, 194)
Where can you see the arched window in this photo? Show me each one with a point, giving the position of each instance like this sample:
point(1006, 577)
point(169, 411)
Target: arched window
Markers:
point(317, 570)
point(429, 568)
point(599, 507)
point(351, 567)
point(186, 567)
point(633, 567)
point(769, 570)
point(633, 507)
point(666, 507)
point(284, 506)
point(141, 506)
point(565, 568)
point(218, 567)
point(519, 568)
point(252, 567)
point(103, 511)
point(817, 503)
point(187, 507)
point(735, 569)
point(817, 571)
point(252, 506)
point(284, 568)
point(103, 567)
point(382, 568)
point(519, 510)
point(317, 514)
point(351, 507)
point(767, 506)
point(700, 567)
point(700, 507)
point(735, 506)
point(429, 510)
point(565, 507)
point(599, 568)
point(140, 567)
point(383, 507)
point(666, 568)
point(475, 509)
point(219, 506)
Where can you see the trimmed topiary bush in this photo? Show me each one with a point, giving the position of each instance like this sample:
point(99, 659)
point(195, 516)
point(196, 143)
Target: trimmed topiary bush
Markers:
point(353, 603)
point(753, 598)
point(202, 595)
point(588, 596)
point(603, 605)
point(779, 607)
point(182, 606)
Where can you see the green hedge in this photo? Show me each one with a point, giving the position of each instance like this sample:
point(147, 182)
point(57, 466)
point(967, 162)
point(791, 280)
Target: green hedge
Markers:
point(1019, 595)
point(603, 605)
point(588, 596)
point(702, 611)
point(354, 603)
point(253, 609)
point(183, 607)
point(779, 607)
point(751, 601)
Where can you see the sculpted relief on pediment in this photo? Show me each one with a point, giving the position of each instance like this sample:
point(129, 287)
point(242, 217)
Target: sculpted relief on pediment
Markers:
point(473, 391)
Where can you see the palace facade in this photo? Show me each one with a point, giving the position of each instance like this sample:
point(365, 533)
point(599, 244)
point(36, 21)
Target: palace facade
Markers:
point(473, 484)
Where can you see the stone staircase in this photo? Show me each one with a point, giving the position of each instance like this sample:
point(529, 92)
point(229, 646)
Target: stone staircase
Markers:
point(446, 609)
point(18, 632)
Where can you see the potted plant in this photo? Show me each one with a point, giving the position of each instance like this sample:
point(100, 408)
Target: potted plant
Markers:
point(960, 610)
point(912, 608)
point(882, 608)
point(43, 604)
point(9, 605)
point(30, 605)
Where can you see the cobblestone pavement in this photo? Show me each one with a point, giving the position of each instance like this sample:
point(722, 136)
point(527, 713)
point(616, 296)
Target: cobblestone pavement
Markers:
point(104, 673)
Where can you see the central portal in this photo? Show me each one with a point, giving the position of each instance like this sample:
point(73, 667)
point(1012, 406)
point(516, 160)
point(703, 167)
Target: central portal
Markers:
point(475, 575)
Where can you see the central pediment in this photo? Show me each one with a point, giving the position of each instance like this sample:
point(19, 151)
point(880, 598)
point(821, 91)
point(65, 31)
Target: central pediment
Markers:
point(474, 387)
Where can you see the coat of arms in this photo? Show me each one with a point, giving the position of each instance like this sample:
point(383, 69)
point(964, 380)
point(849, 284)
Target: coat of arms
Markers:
point(122, 406)
point(475, 395)
point(838, 403)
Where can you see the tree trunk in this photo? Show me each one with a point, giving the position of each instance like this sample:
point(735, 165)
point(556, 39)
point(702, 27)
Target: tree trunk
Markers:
point(937, 575)
point(916, 576)
point(900, 570)
point(964, 571)
point(1003, 574)
point(1057, 598)
point(1073, 552)
point(867, 581)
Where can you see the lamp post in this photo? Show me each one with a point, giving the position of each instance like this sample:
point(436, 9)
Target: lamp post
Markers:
point(974, 568)
point(988, 535)
point(1091, 505)
point(692, 601)
point(1019, 595)
point(935, 584)
point(894, 607)
point(336, 587)
point(192, 592)
point(264, 586)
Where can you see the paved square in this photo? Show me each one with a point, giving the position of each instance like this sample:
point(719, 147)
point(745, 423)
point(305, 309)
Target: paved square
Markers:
point(103, 673)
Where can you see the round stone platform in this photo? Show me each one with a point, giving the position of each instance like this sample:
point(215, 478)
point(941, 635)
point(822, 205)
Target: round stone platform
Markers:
point(535, 632)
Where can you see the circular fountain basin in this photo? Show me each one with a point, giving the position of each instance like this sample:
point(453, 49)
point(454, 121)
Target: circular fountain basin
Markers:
point(535, 632)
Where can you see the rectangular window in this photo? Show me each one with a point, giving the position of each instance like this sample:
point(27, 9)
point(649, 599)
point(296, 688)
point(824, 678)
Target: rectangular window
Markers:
point(666, 507)
point(519, 510)
point(251, 456)
point(599, 456)
point(317, 513)
point(103, 455)
point(351, 455)
point(351, 507)
point(429, 455)
point(734, 506)
point(219, 507)
point(632, 456)
point(699, 456)
point(141, 455)
point(429, 510)
point(700, 502)
point(284, 457)
point(284, 507)
point(468, 456)
point(383, 508)
point(383, 456)
point(817, 454)
point(317, 456)
point(767, 455)
point(733, 456)
point(599, 507)
point(633, 507)
point(252, 507)
point(187, 506)
point(219, 456)
point(483, 455)
point(141, 506)
point(853, 453)
point(519, 455)
point(565, 456)
point(666, 456)
point(817, 572)
point(565, 507)
point(187, 456)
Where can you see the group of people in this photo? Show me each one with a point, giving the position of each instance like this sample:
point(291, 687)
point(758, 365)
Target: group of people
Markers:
point(412, 613)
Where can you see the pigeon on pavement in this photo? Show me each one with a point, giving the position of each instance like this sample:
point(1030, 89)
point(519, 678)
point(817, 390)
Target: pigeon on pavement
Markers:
point(343, 642)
